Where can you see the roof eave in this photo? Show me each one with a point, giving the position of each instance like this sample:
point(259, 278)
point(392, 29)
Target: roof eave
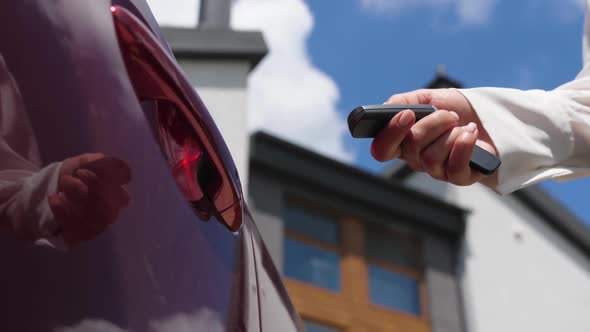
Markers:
point(217, 44)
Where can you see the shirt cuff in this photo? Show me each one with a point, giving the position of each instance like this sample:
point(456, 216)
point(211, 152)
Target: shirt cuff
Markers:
point(530, 139)
point(49, 227)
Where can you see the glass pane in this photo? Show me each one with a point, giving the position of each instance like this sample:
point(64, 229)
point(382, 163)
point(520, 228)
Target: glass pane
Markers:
point(394, 290)
point(314, 327)
point(390, 247)
point(314, 225)
point(312, 265)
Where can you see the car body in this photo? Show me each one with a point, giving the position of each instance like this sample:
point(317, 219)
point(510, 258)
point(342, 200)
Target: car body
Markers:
point(185, 255)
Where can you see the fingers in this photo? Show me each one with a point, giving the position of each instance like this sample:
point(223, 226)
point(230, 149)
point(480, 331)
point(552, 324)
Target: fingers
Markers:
point(62, 208)
point(109, 169)
point(436, 144)
point(458, 170)
point(414, 97)
point(434, 158)
point(426, 132)
point(71, 164)
point(69, 216)
point(88, 177)
point(74, 189)
point(116, 196)
point(90, 195)
point(106, 203)
point(105, 198)
point(386, 145)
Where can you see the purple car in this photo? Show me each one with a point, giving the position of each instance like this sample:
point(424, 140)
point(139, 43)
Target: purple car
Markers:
point(176, 248)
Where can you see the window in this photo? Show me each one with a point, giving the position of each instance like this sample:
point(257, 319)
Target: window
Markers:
point(393, 270)
point(350, 274)
point(390, 246)
point(311, 223)
point(394, 290)
point(311, 248)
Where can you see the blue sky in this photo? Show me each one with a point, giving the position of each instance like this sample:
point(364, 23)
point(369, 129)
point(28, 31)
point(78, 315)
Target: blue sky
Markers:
point(397, 45)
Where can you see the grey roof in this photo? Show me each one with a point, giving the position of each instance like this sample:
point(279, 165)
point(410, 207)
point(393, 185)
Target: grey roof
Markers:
point(362, 189)
point(190, 43)
point(536, 199)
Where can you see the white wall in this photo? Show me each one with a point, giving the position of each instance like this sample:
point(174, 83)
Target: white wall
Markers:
point(426, 184)
point(178, 13)
point(222, 86)
point(518, 273)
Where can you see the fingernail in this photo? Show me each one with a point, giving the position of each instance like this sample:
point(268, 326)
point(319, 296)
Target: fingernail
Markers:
point(455, 115)
point(405, 119)
point(471, 127)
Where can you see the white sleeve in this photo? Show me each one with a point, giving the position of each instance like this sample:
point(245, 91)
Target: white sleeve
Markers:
point(24, 185)
point(539, 134)
point(24, 206)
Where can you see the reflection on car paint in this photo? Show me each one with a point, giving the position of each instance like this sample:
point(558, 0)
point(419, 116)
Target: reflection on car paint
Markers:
point(203, 319)
point(59, 205)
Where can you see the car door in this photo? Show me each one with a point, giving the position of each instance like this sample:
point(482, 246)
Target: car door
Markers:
point(89, 77)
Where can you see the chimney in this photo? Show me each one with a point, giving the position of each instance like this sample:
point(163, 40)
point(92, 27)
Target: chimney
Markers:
point(442, 81)
point(215, 14)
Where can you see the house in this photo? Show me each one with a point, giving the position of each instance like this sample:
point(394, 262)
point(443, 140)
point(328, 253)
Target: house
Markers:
point(525, 259)
point(362, 252)
point(359, 252)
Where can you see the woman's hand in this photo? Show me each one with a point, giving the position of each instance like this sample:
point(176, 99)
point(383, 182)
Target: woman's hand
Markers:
point(91, 193)
point(441, 143)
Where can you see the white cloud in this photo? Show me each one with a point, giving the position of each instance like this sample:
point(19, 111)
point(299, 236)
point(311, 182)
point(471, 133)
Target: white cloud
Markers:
point(289, 97)
point(203, 319)
point(468, 11)
point(581, 4)
point(92, 325)
point(181, 13)
point(570, 11)
point(475, 11)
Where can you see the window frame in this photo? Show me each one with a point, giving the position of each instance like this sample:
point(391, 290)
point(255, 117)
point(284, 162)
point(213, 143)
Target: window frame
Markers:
point(324, 306)
point(417, 273)
point(310, 241)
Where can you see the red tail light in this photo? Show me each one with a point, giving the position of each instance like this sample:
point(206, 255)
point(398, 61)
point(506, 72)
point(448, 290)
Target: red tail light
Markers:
point(186, 141)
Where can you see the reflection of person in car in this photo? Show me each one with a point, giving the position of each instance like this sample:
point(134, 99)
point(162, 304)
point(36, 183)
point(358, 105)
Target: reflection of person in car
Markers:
point(90, 193)
point(61, 203)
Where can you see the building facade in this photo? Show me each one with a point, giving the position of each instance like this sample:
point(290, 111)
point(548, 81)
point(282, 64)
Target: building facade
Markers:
point(525, 259)
point(359, 253)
